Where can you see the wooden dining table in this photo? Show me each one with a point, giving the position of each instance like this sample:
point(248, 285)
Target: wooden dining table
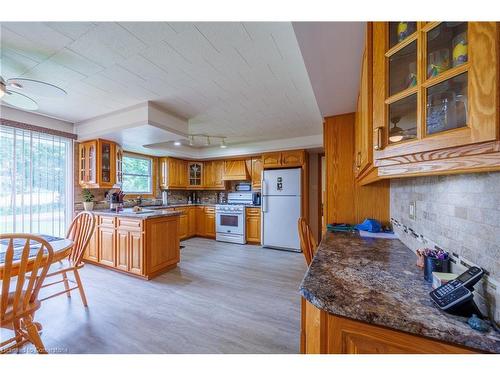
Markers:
point(62, 249)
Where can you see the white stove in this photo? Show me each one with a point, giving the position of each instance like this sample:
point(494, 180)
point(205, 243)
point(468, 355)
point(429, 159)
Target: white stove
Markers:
point(230, 218)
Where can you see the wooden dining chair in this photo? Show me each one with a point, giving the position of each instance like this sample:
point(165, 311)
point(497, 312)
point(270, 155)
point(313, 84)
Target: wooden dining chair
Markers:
point(79, 232)
point(24, 270)
point(307, 241)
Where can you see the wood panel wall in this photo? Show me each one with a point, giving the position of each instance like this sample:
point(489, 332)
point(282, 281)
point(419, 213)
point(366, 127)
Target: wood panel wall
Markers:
point(347, 201)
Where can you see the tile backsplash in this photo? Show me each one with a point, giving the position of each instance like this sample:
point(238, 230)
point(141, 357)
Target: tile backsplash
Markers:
point(458, 213)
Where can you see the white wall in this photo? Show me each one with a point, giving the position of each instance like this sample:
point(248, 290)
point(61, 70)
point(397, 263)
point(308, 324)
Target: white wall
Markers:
point(35, 119)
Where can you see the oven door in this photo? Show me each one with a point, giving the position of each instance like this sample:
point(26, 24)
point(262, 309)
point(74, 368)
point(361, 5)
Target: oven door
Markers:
point(229, 223)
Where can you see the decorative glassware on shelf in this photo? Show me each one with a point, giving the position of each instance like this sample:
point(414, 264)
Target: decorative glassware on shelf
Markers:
point(460, 55)
point(403, 117)
point(446, 47)
point(412, 75)
point(399, 31)
point(438, 62)
point(447, 105)
point(106, 162)
point(403, 69)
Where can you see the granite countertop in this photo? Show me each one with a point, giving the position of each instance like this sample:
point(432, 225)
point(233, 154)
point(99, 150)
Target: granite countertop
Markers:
point(377, 281)
point(158, 211)
point(142, 216)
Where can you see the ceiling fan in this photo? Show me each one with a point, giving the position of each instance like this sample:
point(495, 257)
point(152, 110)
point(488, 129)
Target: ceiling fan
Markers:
point(13, 92)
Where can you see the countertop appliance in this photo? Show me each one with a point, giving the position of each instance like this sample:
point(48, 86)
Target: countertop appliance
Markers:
point(243, 186)
point(281, 208)
point(230, 218)
point(256, 198)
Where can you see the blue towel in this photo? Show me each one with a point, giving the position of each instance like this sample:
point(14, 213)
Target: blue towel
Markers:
point(369, 225)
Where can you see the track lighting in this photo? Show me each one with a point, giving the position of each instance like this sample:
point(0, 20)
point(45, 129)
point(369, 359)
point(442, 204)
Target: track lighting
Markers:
point(223, 143)
point(208, 141)
point(177, 143)
point(191, 140)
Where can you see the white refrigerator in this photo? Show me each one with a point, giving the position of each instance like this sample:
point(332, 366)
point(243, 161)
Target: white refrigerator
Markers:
point(281, 203)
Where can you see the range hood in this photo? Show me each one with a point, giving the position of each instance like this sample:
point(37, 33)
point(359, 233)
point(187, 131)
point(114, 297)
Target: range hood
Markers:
point(235, 170)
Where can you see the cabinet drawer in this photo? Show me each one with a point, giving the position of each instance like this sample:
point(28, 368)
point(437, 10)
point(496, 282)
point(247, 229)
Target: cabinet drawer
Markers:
point(107, 221)
point(209, 210)
point(251, 211)
point(129, 223)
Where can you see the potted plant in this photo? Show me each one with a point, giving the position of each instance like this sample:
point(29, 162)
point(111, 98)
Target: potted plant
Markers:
point(88, 200)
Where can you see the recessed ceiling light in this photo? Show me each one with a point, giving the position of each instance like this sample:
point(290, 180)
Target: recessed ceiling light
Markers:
point(177, 143)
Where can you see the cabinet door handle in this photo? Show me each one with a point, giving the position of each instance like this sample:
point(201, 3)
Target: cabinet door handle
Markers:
point(378, 144)
point(358, 160)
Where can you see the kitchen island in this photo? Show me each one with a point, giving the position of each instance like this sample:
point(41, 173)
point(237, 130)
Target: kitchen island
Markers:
point(139, 244)
point(367, 296)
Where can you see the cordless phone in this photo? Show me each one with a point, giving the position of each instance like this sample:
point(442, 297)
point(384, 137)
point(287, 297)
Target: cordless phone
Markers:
point(456, 296)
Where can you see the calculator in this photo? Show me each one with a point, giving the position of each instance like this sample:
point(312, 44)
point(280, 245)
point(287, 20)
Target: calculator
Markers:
point(457, 291)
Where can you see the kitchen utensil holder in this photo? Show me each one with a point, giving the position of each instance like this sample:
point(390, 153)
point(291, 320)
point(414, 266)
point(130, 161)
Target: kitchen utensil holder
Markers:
point(435, 265)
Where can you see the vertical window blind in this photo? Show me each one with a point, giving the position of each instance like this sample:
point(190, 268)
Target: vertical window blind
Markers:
point(35, 182)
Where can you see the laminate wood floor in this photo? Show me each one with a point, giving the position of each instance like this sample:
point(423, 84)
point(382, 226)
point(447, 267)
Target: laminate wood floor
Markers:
point(222, 298)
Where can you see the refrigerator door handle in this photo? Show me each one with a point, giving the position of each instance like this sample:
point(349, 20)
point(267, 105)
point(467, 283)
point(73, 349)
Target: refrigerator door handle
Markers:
point(263, 187)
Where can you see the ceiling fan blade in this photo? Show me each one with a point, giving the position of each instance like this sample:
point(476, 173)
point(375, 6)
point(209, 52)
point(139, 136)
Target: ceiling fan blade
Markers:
point(35, 87)
point(18, 100)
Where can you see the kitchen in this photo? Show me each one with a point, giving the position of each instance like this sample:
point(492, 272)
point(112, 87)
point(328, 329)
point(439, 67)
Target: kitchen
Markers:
point(245, 196)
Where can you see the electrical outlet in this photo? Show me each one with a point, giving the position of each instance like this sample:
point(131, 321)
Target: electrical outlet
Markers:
point(413, 210)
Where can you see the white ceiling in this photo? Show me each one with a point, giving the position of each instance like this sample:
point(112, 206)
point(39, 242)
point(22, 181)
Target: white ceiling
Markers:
point(246, 81)
point(332, 53)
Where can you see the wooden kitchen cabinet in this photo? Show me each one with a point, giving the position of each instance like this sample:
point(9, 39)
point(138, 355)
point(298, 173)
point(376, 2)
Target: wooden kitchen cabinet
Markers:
point(122, 249)
point(324, 333)
point(200, 221)
point(435, 98)
point(363, 148)
point(271, 160)
point(173, 173)
point(195, 175)
point(191, 212)
point(235, 170)
point(284, 159)
point(119, 165)
point(183, 223)
point(213, 175)
point(257, 167)
point(121, 243)
point(107, 245)
point(209, 222)
point(98, 163)
point(292, 158)
point(91, 252)
point(252, 218)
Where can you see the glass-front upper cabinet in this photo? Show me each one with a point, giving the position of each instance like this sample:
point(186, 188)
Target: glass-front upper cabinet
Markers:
point(100, 164)
point(195, 173)
point(105, 161)
point(434, 85)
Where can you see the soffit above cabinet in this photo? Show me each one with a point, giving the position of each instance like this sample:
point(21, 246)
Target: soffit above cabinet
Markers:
point(332, 53)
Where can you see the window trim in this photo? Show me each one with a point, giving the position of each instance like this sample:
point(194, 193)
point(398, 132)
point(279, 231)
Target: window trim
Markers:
point(153, 164)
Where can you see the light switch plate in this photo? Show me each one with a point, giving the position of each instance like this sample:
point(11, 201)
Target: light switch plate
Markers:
point(413, 210)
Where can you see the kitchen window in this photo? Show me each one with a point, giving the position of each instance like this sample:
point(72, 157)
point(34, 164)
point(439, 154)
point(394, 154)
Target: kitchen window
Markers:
point(36, 183)
point(137, 174)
